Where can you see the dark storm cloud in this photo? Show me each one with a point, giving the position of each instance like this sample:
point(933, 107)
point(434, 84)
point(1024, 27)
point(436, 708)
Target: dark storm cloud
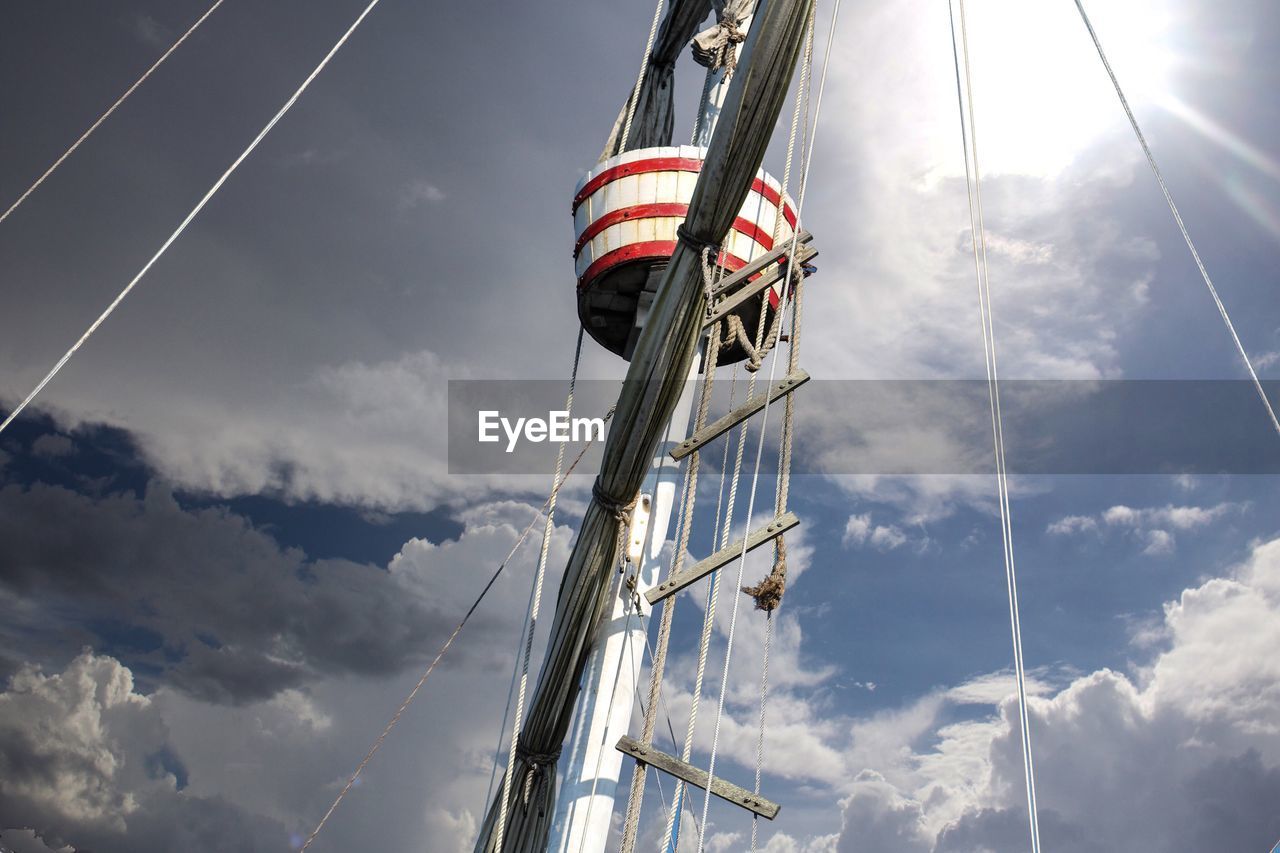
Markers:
point(201, 597)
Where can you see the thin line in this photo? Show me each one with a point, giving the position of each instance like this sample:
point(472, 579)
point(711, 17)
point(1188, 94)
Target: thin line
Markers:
point(190, 216)
point(1177, 217)
point(56, 163)
point(413, 693)
point(973, 180)
point(764, 422)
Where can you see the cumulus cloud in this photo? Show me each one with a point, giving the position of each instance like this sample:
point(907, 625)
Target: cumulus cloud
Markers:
point(215, 607)
point(859, 530)
point(1182, 755)
point(85, 763)
point(88, 758)
point(1153, 527)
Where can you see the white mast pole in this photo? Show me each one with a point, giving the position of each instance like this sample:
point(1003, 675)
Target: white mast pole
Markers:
point(584, 807)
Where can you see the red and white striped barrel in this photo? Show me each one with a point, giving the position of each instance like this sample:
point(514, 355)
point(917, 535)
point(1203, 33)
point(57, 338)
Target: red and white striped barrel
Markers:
point(625, 214)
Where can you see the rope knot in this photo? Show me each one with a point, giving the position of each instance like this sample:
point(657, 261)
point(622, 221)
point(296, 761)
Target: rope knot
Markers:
point(768, 593)
point(618, 509)
point(716, 47)
point(693, 241)
point(533, 758)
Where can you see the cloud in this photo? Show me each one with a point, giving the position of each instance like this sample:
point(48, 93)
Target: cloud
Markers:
point(859, 530)
point(151, 32)
point(1151, 526)
point(215, 607)
point(1072, 524)
point(52, 446)
point(1184, 755)
point(86, 760)
point(417, 193)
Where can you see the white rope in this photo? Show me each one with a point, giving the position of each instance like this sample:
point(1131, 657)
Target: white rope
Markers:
point(764, 422)
point(1177, 217)
point(764, 696)
point(973, 180)
point(182, 226)
point(111, 109)
point(644, 69)
point(511, 692)
point(531, 622)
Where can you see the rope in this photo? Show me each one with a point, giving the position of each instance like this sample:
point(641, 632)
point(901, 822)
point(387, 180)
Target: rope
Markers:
point(973, 180)
point(764, 415)
point(377, 744)
point(531, 622)
point(764, 695)
point(182, 226)
point(1177, 217)
point(769, 591)
point(644, 69)
point(127, 92)
point(631, 822)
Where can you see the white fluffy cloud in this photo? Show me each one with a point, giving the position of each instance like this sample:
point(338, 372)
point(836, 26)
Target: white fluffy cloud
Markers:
point(1152, 527)
point(1181, 755)
point(87, 759)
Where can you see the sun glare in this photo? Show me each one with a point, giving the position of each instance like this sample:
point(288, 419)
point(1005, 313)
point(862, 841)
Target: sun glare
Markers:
point(1041, 93)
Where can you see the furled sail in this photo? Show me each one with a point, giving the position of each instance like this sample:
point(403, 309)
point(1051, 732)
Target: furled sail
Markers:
point(653, 122)
point(650, 391)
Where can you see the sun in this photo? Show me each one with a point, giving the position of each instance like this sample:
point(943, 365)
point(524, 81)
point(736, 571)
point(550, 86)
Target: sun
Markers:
point(1040, 90)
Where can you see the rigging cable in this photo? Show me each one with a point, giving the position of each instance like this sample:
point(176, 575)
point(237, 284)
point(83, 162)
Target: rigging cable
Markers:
point(658, 663)
point(111, 109)
point(531, 621)
point(182, 226)
point(1177, 217)
point(377, 744)
point(764, 421)
point(644, 69)
point(973, 182)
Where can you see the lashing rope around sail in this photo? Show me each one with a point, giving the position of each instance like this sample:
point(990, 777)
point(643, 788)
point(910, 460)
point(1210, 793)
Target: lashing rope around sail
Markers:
point(973, 181)
point(182, 226)
point(111, 109)
point(783, 305)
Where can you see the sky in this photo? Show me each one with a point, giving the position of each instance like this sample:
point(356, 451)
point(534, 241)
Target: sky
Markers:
point(230, 540)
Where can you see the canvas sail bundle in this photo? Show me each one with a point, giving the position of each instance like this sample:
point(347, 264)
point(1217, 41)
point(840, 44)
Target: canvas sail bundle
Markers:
point(650, 391)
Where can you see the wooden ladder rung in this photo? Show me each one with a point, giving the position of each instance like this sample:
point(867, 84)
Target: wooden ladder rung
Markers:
point(733, 280)
point(721, 558)
point(726, 791)
point(721, 425)
point(753, 288)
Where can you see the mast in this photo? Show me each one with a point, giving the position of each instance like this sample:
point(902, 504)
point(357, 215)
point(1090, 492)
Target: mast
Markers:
point(584, 809)
point(655, 380)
